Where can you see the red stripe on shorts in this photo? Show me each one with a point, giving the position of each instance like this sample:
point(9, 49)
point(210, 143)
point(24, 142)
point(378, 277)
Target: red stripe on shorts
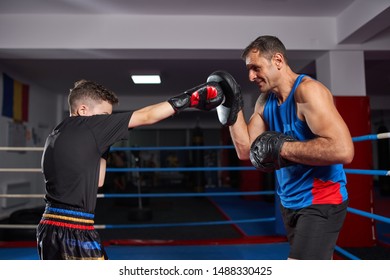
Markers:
point(67, 225)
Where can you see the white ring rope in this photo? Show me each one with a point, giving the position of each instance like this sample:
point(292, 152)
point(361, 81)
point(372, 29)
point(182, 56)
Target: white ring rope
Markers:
point(383, 135)
point(21, 149)
point(20, 170)
point(22, 195)
point(18, 226)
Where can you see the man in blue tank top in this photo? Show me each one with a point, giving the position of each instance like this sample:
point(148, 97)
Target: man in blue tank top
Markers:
point(297, 132)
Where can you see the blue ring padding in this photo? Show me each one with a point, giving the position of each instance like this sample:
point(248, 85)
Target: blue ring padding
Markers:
point(262, 220)
point(369, 215)
point(71, 212)
point(346, 253)
point(113, 195)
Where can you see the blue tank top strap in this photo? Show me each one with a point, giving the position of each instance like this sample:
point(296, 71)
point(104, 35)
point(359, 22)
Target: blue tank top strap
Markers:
point(297, 82)
point(295, 85)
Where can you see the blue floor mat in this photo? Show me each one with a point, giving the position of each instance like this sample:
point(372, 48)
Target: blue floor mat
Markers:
point(274, 251)
point(18, 254)
point(237, 208)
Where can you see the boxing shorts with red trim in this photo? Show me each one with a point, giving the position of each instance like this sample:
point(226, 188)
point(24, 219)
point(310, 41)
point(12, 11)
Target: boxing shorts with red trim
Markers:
point(66, 233)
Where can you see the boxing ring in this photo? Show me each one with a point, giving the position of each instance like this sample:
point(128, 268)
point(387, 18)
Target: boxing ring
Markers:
point(237, 224)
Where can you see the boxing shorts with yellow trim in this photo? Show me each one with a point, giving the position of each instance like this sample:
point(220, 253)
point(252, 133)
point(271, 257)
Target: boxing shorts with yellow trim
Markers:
point(66, 233)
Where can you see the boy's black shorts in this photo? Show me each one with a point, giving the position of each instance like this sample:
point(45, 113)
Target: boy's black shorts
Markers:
point(68, 234)
point(313, 231)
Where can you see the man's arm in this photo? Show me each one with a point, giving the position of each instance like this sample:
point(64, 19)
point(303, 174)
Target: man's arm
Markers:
point(244, 134)
point(333, 143)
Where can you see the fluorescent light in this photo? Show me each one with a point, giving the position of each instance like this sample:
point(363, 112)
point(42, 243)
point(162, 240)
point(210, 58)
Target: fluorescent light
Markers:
point(146, 79)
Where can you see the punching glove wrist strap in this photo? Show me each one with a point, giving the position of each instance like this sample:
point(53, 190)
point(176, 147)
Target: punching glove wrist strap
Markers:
point(180, 102)
point(203, 97)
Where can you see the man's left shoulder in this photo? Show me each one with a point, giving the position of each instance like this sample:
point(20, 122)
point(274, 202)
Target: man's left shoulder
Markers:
point(309, 84)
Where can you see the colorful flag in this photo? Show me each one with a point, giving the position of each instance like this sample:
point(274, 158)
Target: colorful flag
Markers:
point(15, 99)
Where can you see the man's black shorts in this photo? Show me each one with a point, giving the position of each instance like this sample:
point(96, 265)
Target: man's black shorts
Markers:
point(313, 231)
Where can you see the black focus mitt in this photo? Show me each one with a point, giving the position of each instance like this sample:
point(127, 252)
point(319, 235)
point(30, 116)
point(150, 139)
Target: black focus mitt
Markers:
point(265, 151)
point(233, 103)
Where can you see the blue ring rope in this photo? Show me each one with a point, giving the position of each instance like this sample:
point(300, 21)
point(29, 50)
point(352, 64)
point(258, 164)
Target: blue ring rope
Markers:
point(206, 194)
point(364, 214)
point(168, 148)
point(369, 215)
point(371, 137)
point(211, 147)
point(368, 172)
point(262, 220)
point(179, 169)
point(346, 253)
point(229, 168)
point(127, 195)
point(365, 138)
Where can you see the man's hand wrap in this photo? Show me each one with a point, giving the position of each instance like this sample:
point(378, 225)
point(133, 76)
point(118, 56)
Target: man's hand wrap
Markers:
point(228, 110)
point(203, 97)
point(265, 151)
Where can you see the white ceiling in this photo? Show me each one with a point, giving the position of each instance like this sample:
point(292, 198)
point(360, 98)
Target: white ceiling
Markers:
point(55, 69)
point(304, 8)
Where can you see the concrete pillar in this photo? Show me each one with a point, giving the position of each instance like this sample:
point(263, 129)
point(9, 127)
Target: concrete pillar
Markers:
point(342, 72)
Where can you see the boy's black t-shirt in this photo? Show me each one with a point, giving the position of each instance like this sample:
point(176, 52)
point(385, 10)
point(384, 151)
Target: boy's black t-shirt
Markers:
point(72, 153)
